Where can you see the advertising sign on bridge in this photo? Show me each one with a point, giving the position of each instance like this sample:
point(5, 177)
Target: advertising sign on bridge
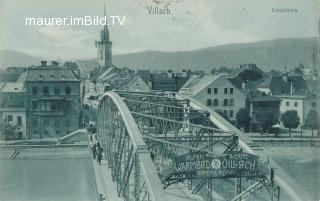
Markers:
point(230, 165)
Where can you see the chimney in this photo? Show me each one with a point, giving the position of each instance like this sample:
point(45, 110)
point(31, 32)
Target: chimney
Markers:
point(292, 88)
point(285, 77)
point(170, 74)
point(43, 63)
point(184, 73)
point(243, 85)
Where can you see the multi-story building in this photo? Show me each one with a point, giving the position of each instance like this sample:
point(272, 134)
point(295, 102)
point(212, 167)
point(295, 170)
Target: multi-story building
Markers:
point(217, 92)
point(12, 110)
point(293, 92)
point(52, 100)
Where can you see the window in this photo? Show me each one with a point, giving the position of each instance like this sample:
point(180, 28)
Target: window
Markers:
point(225, 113)
point(215, 90)
point(225, 90)
point(68, 123)
point(58, 106)
point(19, 120)
point(314, 104)
point(231, 90)
point(46, 123)
point(287, 103)
point(209, 102)
point(225, 102)
point(34, 105)
point(57, 123)
point(48, 106)
point(209, 90)
point(215, 102)
point(34, 90)
point(42, 106)
point(296, 104)
point(67, 107)
point(34, 123)
point(9, 117)
point(68, 90)
point(45, 90)
point(231, 102)
point(54, 106)
point(58, 132)
point(56, 90)
point(230, 113)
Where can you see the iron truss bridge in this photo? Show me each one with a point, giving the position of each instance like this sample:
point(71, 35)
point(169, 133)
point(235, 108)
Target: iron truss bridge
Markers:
point(154, 140)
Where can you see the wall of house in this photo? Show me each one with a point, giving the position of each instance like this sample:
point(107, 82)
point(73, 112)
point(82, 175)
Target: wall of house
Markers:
point(236, 100)
point(309, 104)
point(293, 104)
point(47, 120)
point(21, 126)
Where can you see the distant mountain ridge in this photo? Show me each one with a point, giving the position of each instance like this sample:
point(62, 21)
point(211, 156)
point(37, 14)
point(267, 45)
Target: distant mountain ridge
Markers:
point(11, 58)
point(271, 54)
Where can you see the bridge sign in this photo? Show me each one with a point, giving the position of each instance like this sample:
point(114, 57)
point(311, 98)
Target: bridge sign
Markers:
point(201, 165)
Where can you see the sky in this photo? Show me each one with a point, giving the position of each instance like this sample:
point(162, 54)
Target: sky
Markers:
point(190, 25)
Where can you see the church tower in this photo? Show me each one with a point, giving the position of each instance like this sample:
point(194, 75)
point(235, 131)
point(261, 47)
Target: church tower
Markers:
point(104, 48)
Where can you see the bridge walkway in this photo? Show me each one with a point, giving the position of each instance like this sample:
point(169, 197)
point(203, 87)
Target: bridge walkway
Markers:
point(108, 188)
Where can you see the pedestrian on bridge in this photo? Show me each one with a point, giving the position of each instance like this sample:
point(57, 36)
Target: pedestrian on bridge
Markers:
point(99, 153)
point(94, 150)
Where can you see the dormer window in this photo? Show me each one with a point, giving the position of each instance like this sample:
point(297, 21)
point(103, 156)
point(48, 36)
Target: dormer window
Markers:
point(68, 90)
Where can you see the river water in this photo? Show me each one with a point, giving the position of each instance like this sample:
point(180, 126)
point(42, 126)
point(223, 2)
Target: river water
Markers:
point(51, 179)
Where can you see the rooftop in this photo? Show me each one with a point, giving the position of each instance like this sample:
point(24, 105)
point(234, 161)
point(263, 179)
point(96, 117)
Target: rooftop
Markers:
point(50, 73)
point(12, 87)
point(197, 83)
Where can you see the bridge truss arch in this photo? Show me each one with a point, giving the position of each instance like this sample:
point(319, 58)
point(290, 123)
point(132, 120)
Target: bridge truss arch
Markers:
point(142, 133)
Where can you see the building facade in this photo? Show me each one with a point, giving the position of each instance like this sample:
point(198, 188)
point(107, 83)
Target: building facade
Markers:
point(294, 93)
point(52, 101)
point(216, 92)
point(12, 111)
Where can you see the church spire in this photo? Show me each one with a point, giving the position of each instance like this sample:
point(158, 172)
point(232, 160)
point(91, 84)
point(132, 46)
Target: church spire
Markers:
point(105, 31)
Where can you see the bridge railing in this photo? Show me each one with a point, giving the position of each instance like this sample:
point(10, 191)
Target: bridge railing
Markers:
point(127, 154)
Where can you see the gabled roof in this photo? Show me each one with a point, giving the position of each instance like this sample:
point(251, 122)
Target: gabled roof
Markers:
point(13, 87)
point(279, 85)
point(50, 73)
point(104, 76)
point(145, 75)
point(9, 77)
point(197, 83)
point(71, 65)
point(247, 67)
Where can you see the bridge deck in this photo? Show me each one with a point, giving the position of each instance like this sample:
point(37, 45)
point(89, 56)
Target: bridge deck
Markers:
point(105, 186)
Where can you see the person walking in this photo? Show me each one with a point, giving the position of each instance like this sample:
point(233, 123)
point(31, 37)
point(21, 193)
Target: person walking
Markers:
point(94, 150)
point(99, 153)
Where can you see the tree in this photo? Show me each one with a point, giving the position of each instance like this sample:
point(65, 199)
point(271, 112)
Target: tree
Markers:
point(243, 118)
point(312, 120)
point(298, 71)
point(213, 71)
point(290, 119)
point(267, 119)
point(7, 130)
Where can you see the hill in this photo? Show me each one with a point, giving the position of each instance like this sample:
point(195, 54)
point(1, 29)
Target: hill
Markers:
point(272, 54)
point(10, 58)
